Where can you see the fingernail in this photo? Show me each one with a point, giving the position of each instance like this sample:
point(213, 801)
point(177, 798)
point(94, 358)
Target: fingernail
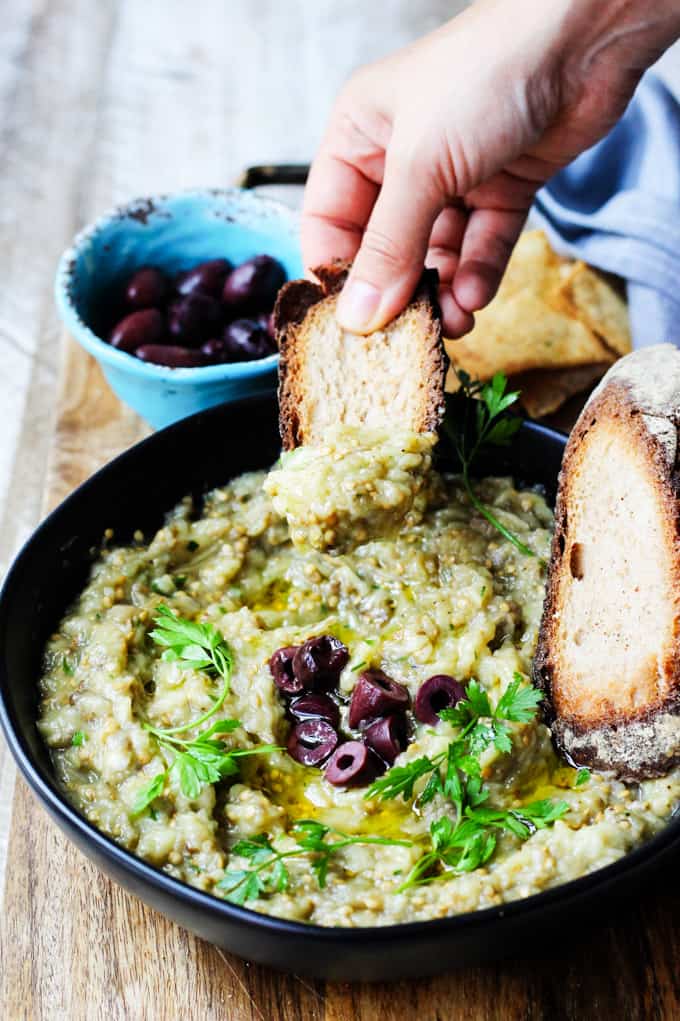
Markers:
point(357, 305)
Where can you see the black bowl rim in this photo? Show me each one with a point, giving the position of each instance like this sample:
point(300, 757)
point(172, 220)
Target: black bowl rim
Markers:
point(573, 890)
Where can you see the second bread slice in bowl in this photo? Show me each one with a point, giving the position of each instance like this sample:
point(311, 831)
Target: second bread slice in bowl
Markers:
point(608, 657)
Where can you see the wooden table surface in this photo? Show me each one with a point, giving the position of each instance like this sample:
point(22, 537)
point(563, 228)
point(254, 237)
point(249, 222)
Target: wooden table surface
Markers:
point(99, 102)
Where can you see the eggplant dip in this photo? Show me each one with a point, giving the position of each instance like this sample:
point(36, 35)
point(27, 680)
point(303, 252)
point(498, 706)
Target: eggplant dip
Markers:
point(337, 729)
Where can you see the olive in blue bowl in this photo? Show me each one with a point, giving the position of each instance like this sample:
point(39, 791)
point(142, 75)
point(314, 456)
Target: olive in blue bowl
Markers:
point(172, 295)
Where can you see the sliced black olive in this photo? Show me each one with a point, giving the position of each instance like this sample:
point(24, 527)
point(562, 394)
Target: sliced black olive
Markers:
point(281, 668)
point(375, 695)
point(319, 662)
point(314, 706)
point(353, 764)
point(437, 693)
point(387, 737)
point(311, 742)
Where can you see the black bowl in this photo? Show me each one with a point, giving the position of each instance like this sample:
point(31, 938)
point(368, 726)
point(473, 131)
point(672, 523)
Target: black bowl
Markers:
point(133, 492)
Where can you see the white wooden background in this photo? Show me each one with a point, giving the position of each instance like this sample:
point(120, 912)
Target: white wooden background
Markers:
point(101, 100)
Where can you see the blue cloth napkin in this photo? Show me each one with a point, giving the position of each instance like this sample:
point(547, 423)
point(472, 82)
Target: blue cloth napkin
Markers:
point(617, 206)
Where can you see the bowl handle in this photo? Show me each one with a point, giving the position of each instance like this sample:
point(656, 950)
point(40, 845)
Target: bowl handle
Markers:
point(275, 173)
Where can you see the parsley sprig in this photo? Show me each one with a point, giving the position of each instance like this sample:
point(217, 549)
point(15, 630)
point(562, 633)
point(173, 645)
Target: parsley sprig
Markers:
point(203, 759)
point(468, 844)
point(467, 841)
point(477, 416)
point(196, 647)
point(267, 872)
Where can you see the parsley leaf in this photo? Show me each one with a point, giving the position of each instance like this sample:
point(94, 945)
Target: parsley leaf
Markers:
point(582, 776)
point(267, 872)
point(400, 780)
point(543, 813)
point(477, 416)
point(148, 793)
point(204, 759)
point(518, 702)
point(78, 739)
point(194, 645)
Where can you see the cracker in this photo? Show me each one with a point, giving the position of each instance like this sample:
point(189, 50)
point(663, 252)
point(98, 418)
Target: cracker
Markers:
point(543, 391)
point(522, 333)
point(590, 297)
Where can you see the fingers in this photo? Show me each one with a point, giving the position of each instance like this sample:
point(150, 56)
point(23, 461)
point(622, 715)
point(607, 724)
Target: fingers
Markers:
point(487, 245)
point(390, 259)
point(456, 321)
point(342, 186)
point(443, 255)
point(338, 202)
point(446, 240)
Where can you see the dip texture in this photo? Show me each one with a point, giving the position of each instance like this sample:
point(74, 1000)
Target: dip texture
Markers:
point(430, 588)
point(357, 485)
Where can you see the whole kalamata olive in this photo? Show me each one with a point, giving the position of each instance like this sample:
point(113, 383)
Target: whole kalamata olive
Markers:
point(147, 288)
point(206, 278)
point(376, 694)
point(267, 323)
point(215, 351)
point(387, 737)
point(313, 706)
point(281, 669)
point(143, 327)
point(193, 319)
point(319, 662)
point(246, 341)
point(352, 764)
point(170, 355)
point(252, 286)
point(437, 693)
point(311, 742)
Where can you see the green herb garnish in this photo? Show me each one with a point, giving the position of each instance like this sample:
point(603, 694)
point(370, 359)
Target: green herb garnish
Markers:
point(77, 739)
point(482, 421)
point(197, 647)
point(466, 845)
point(582, 776)
point(204, 759)
point(149, 793)
point(465, 842)
point(67, 667)
point(267, 872)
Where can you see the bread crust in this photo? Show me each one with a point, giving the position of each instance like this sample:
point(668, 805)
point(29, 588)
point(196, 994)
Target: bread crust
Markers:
point(298, 298)
point(640, 395)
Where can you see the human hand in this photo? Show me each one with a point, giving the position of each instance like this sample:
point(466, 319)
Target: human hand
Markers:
point(433, 156)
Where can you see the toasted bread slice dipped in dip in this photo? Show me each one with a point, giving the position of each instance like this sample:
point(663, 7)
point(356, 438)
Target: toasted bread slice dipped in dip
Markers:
point(328, 376)
point(358, 415)
point(608, 656)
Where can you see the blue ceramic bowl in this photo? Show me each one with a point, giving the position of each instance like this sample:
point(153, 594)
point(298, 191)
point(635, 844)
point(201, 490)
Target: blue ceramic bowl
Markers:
point(174, 232)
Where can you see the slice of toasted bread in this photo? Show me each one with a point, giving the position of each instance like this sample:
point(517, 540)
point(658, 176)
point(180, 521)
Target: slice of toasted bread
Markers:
point(608, 655)
point(329, 376)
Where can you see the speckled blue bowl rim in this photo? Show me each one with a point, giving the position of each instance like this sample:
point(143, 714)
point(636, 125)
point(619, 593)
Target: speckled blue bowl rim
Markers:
point(288, 220)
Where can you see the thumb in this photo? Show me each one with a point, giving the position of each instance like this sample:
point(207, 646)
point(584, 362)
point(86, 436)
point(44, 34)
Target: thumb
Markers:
point(390, 261)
